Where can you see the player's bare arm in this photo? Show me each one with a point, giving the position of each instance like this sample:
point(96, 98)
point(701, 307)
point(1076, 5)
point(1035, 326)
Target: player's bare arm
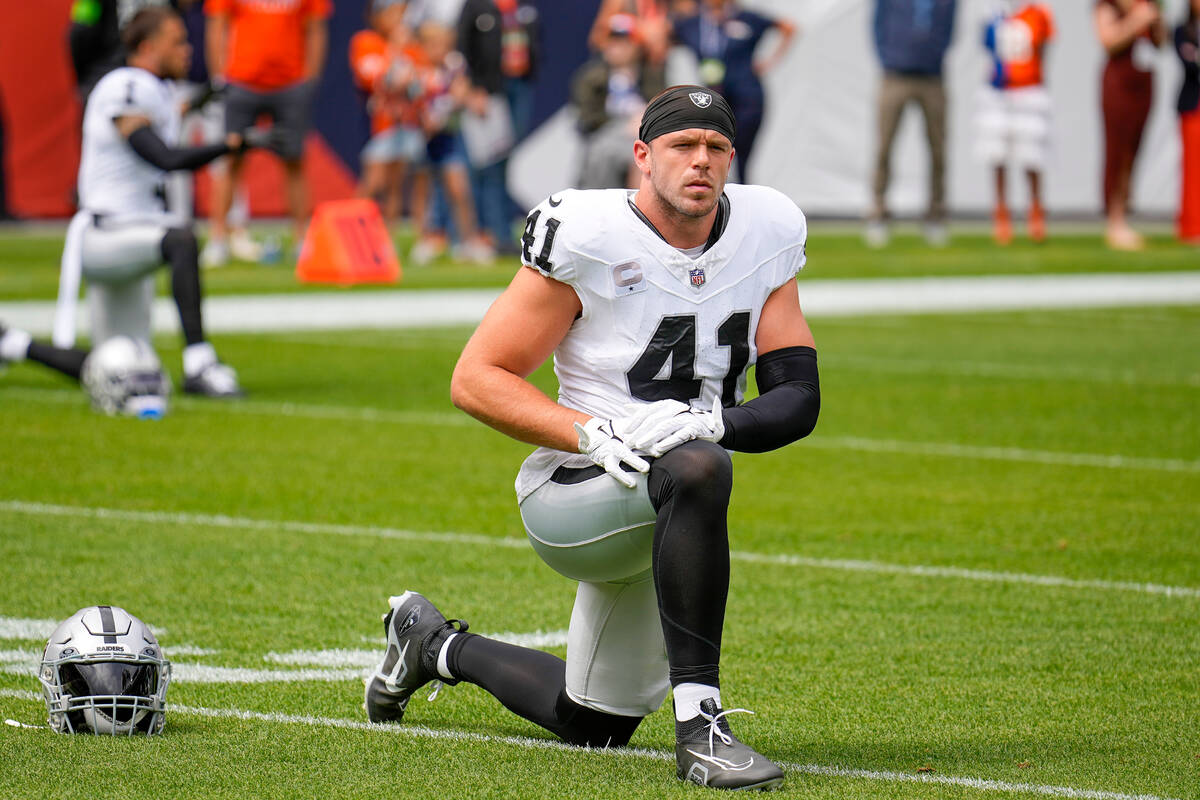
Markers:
point(782, 323)
point(517, 335)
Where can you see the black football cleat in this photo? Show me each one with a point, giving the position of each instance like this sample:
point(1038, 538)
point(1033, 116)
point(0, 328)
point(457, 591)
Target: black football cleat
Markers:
point(416, 631)
point(708, 754)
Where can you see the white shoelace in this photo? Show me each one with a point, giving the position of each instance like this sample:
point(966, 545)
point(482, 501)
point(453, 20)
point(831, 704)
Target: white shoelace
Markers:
point(715, 730)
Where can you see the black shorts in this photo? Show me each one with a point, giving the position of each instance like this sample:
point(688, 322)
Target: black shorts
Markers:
point(290, 109)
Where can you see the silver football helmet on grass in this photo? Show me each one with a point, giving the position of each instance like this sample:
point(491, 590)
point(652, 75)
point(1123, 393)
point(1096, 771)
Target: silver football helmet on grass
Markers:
point(124, 376)
point(103, 673)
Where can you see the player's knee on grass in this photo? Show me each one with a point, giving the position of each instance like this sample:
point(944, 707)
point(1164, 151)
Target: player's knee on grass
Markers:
point(586, 727)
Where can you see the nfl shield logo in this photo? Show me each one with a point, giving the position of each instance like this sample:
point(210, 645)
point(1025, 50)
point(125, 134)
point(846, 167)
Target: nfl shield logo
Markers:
point(696, 276)
point(701, 99)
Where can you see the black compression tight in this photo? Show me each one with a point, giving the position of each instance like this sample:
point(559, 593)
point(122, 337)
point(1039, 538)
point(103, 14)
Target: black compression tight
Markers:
point(532, 684)
point(690, 487)
point(180, 251)
point(66, 360)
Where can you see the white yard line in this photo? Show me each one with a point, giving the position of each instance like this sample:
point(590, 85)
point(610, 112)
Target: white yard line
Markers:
point(330, 666)
point(422, 732)
point(465, 307)
point(993, 369)
point(781, 559)
point(1019, 454)
point(455, 419)
point(26, 629)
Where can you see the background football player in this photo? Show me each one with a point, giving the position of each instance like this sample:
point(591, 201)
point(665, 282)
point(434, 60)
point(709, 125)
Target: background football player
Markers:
point(653, 303)
point(124, 231)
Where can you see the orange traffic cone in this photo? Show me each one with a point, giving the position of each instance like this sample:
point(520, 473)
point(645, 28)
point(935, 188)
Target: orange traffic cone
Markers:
point(347, 243)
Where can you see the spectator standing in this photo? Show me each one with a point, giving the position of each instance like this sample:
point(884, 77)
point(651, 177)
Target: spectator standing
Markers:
point(724, 38)
point(445, 90)
point(385, 61)
point(1187, 46)
point(609, 93)
point(911, 38)
point(1130, 32)
point(652, 31)
point(270, 54)
point(1014, 108)
point(499, 38)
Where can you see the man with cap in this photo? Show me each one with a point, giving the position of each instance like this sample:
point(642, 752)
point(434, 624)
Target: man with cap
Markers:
point(653, 302)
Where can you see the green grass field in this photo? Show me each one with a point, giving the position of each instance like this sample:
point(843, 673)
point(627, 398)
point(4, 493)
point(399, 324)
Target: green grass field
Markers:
point(979, 578)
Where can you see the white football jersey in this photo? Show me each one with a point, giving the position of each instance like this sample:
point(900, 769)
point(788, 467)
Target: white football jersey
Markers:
point(656, 323)
point(113, 179)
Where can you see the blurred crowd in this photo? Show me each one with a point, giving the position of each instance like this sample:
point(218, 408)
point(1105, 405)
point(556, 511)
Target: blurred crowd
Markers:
point(1013, 110)
point(448, 86)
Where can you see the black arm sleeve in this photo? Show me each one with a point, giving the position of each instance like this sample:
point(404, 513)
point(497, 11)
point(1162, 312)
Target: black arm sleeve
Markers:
point(145, 143)
point(786, 408)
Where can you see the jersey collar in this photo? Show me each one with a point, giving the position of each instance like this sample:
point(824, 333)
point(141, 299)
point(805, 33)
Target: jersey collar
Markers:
point(719, 223)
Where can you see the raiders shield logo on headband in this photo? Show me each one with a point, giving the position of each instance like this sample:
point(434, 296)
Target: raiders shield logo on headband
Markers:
point(701, 99)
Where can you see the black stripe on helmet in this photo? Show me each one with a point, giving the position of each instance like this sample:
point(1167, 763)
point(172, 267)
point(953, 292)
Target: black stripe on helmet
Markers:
point(109, 625)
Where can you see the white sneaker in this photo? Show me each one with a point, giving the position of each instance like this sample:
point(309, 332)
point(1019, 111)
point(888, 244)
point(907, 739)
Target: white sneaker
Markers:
point(214, 254)
point(876, 234)
point(424, 251)
point(475, 252)
point(244, 248)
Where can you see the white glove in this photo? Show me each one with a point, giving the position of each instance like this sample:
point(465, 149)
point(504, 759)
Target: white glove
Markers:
point(641, 418)
point(605, 448)
point(660, 433)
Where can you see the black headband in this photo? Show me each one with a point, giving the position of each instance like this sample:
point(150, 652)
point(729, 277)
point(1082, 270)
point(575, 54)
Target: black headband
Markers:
point(682, 107)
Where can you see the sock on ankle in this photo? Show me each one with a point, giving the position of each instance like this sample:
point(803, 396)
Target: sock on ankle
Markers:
point(688, 697)
point(197, 358)
point(443, 666)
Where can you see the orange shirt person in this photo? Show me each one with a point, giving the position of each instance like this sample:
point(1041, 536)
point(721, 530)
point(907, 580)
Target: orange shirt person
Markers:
point(270, 54)
point(1014, 109)
point(386, 64)
point(1017, 42)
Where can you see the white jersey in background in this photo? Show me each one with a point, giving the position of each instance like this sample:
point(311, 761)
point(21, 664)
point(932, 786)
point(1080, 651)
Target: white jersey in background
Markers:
point(657, 323)
point(113, 179)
